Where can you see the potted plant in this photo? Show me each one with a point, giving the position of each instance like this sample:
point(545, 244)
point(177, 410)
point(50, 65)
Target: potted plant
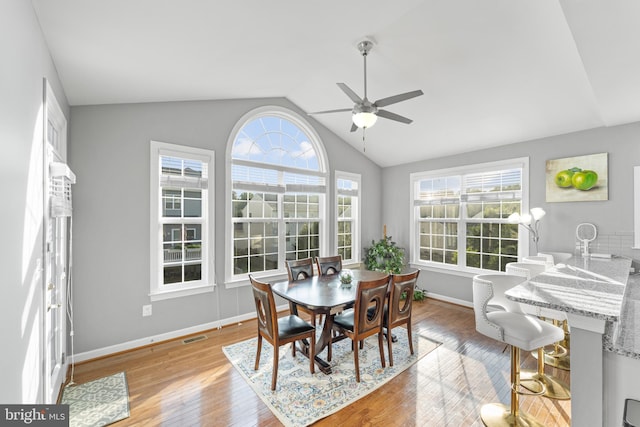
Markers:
point(385, 256)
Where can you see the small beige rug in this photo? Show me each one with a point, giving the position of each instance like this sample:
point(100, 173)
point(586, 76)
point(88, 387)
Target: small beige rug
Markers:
point(301, 398)
point(99, 402)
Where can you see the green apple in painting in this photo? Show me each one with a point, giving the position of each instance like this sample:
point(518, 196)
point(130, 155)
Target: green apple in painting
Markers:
point(563, 178)
point(584, 180)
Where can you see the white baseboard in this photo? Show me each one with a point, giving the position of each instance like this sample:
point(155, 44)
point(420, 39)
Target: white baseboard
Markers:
point(130, 345)
point(449, 299)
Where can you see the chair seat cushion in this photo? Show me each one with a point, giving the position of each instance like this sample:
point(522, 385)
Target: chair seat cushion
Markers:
point(524, 331)
point(344, 319)
point(289, 326)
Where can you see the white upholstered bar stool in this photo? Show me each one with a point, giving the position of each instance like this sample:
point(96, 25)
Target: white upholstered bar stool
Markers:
point(539, 259)
point(555, 388)
point(556, 257)
point(512, 327)
point(558, 357)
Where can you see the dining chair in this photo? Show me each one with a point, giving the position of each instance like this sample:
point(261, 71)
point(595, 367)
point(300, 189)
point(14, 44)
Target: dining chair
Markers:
point(398, 309)
point(299, 269)
point(516, 329)
point(361, 323)
point(278, 331)
point(329, 265)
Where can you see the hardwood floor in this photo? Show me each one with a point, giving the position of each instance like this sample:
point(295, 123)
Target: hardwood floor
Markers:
point(176, 384)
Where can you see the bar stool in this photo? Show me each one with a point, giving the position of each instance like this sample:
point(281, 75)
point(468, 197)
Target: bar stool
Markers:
point(559, 357)
point(519, 331)
point(556, 257)
point(539, 259)
point(555, 388)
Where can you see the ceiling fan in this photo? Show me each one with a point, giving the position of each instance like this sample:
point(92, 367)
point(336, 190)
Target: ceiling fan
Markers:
point(364, 112)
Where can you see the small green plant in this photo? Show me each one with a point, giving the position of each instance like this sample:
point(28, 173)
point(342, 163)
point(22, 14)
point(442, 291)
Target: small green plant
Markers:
point(385, 256)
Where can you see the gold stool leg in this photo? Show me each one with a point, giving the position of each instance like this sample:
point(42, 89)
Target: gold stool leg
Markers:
point(499, 415)
point(559, 357)
point(532, 380)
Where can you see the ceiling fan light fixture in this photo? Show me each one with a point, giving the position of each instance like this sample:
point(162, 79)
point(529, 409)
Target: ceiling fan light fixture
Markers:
point(364, 119)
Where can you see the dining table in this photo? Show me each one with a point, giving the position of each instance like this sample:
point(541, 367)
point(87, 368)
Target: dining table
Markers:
point(323, 296)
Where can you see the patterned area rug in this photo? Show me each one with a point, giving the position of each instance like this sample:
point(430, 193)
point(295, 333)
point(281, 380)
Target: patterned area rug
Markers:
point(99, 402)
point(300, 398)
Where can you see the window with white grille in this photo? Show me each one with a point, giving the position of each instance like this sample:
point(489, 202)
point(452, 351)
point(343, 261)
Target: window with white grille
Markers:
point(460, 216)
point(277, 194)
point(181, 220)
point(348, 216)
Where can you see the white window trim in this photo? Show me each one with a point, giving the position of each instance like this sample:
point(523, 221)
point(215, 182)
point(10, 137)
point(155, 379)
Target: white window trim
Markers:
point(523, 234)
point(298, 120)
point(355, 237)
point(636, 207)
point(158, 291)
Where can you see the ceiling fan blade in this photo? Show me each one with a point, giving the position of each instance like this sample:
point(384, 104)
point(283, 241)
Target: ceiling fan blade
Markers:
point(340, 110)
point(351, 94)
point(393, 116)
point(354, 127)
point(397, 98)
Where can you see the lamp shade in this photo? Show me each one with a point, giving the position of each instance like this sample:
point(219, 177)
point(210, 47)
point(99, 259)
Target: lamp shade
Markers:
point(364, 119)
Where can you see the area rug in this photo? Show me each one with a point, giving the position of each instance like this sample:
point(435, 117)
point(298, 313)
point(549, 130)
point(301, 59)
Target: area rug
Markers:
point(301, 398)
point(99, 402)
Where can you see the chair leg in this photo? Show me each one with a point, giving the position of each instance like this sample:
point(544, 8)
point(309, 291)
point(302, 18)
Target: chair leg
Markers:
point(389, 347)
point(274, 373)
point(381, 347)
point(356, 361)
point(255, 368)
point(410, 335)
point(497, 414)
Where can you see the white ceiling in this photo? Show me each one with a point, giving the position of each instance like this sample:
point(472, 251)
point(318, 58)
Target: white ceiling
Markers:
point(493, 71)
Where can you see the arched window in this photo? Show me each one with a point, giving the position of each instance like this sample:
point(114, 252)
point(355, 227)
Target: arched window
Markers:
point(277, 193)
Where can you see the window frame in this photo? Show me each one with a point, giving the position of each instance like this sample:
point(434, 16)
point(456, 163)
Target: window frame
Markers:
point(356, 216)
point(237, 280)
point(157, 290)
point(414, 217)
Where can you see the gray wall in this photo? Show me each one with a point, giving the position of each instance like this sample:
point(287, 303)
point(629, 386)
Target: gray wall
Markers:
point(25, 62)
point(109, 152)
point(558, 226)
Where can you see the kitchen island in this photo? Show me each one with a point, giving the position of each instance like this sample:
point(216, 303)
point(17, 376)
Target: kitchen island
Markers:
point(591, 291)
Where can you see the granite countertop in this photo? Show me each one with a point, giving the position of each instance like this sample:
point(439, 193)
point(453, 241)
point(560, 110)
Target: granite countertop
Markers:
point(590, 287)
point(623, 336)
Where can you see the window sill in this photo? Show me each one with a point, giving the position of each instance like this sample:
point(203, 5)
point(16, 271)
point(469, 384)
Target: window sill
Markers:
point(178, 293)
point(452, 269)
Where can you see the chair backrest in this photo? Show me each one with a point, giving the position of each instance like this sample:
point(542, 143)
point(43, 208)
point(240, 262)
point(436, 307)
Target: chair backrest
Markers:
point(400, 309)
point(329, 265)
point(501, 283)
point(300, 269)
point(370, 294)
point(265, 309)
point(525, 269)
point(489, 289)
point(557, 257)
point(538, 259)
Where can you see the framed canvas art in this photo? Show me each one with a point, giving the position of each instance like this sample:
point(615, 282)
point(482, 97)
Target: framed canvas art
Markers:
point(577, 179)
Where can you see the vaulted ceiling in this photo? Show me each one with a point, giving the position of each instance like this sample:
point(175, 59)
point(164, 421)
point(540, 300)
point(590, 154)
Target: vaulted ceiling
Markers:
point(493, 72)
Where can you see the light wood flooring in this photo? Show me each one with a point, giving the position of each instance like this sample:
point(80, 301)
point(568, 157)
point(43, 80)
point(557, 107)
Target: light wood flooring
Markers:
point(176, 384)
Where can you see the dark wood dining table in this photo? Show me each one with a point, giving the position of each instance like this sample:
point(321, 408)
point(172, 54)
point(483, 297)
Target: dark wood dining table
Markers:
point(322, 295)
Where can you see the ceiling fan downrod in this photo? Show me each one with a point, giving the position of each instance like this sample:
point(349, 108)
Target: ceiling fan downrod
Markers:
point(365, 47)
